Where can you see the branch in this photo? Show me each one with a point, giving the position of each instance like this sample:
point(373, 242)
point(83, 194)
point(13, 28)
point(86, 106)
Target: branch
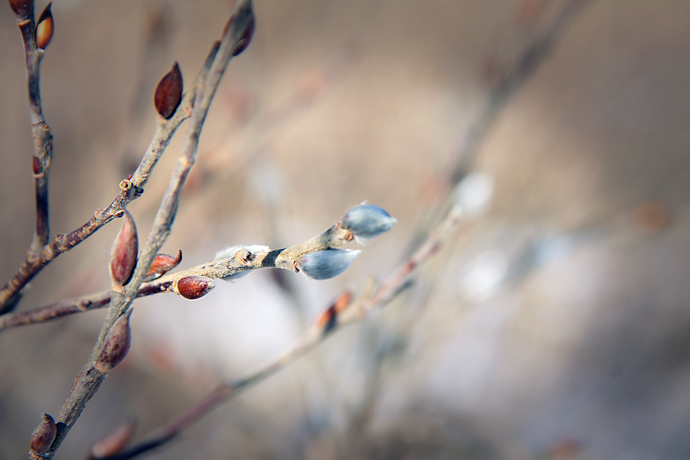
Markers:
point(342, 312)
point(40, 131)
point(523, 68)
point(92, 373)
point(232, 262)
point(131, 189)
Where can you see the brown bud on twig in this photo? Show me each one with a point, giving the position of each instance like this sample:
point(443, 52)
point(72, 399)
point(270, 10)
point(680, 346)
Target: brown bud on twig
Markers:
point(246, 36)
point(328, 320)
point(115, 442)
point(44, 28)
point(169, 92)
point(22, 8)
point(116, 345)
point(43, 436)
point(193, 286)
point(163, 263)
point(123, 255)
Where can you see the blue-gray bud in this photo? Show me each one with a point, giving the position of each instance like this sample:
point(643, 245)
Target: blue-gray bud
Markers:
point(328, 263)
point(367, 221)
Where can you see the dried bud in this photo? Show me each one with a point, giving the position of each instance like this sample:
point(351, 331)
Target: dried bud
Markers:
point(328, 263)
point(169, 92)
point(367, 221)
point(116, 345)
point(329, 319)
point(44, 28)
point(247, 33)
point(123, 255)
point(163, 263)
point(114, 443)
point(22, 8)
point(43, 436)
point(193, 286)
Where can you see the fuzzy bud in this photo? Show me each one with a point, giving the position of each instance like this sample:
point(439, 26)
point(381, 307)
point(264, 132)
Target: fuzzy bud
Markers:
point(367, 221)
point(328, 263)
point(246, 35)
point(116, 345)
point(114, 443)
point(43, 436)
point(162, 264)
point(22, 8)
point(193, 286)
point(473, 194)
point(45, 27)
point(169, 92)
point(123, 254)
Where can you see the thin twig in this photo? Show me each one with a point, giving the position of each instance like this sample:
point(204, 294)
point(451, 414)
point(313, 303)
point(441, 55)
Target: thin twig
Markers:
point(70, 307)
point(332, 318)
point(242, 261)
point(40, 131)
point(523, 68)
point(131, 189)
point(43, 148)
point(501, 94)
point(91, 377)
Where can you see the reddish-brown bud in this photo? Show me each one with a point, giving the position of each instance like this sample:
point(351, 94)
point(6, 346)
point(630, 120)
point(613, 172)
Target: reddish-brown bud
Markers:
point(246, 35)
point(44, 28)
point(123, 255)
point(163, 263)
point(116, 345)
point(43, 436)
point(328, 320)
point(36, 166)
point(193, 286)
point(22, 8)
point(114, 443)
point(169, 92)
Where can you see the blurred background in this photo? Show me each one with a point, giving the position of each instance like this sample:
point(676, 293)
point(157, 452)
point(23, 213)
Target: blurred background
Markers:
point(555, 324)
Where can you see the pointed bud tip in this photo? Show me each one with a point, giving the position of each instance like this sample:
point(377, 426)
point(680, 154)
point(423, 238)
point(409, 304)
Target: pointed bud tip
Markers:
point(163, 263)
point(44, 435)
point(246, 35)
point(194, 286)
point(124, 252)
point(23, 9)
point(368, 221)
point(328, 263)
point(116, 344)
point(168, 93)
point(45, 27)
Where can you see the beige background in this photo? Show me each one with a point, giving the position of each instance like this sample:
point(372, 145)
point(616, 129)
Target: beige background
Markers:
point(554, 326)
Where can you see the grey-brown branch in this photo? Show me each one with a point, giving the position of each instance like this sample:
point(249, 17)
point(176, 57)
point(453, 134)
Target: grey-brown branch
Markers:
point(130, 189)
point(91, 376)
point(342, 312)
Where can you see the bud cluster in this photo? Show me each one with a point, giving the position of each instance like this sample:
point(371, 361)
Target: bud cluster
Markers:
point(362, 223)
